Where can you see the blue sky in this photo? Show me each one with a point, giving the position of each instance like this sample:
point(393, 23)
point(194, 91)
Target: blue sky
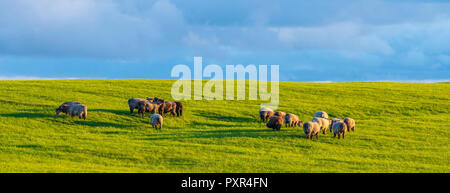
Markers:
point(332, 40)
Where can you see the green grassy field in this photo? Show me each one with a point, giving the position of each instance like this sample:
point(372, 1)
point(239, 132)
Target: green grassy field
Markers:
point(400, 127)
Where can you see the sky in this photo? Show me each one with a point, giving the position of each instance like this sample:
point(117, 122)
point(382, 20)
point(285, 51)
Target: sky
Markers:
point(323, 40)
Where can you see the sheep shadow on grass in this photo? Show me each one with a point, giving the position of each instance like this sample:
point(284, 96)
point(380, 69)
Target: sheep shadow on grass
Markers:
point(217, 117)
point(26, 115)
point(117, 112)
point(100, 124)
point(226, 133)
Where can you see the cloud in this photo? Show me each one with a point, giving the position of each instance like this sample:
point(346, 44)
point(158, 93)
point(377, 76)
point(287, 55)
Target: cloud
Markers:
point(365, 40)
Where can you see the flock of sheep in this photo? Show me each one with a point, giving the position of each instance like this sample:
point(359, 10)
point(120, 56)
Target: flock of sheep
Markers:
point(320, 122)
point(152, 105)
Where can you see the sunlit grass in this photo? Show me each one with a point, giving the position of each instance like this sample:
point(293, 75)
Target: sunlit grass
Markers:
point(401, 127)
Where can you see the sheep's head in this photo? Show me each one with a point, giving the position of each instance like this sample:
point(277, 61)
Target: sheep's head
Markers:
point(59, 110)
point(158, 100)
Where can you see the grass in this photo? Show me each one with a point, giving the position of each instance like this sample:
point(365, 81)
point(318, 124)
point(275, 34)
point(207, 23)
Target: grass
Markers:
point(400, 127)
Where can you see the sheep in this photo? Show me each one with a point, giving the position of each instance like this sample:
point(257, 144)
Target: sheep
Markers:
point(292, 120)
point(350, 124)
point(167, 107)
point(133, 103)
point(321, 114)
point(275, 122)
point(158, 100)
point(179, 108)
point(334, 120)
point(311, 129)
point(79, 110)
point(339, 128)
point(146, 106)
point(156, 120)
point(65, 107)
point(265, 113)
point(280, 113)
point(323, 123)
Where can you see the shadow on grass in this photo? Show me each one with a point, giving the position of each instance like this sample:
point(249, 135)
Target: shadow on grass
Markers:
point(100, 124)
point(117, 112)
point(115, 132)
point(215, 125)
point(216, 117)
point(26, 104)
point(27, 115)
point(241, 133)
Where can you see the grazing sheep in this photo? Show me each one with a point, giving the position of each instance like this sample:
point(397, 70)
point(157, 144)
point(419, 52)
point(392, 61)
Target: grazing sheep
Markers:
point(275, 122)
point(265, 113)
point(146, 106)
point(350, 123)
point(156, 120)
point(311, 129)
point(158, 100)
point(64, 108)
point(292, 120)
point(339, 128)
point(280, 113)
point(334, 120)
point(133, 103)
point(321, 114)
point(167, 107)
point(79, 110)
point(323, 123)
point(179, 108)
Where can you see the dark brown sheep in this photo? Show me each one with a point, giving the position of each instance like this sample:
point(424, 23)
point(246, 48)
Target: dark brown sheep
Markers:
point(179, 108)
point(334, 120)
point(339, 128)
point(311, 129)
point(265, 113)
point(133, 103)
point(280, 113)
point(146, 106)
point(167, 107)
point(275, 122)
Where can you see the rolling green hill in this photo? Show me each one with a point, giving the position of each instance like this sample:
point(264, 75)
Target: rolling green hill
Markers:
point(400, 127)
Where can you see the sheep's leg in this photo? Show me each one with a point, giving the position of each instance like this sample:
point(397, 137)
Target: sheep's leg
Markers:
point(317, 136)
point(343, 135)
point(334, 134)
point(131, 110)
